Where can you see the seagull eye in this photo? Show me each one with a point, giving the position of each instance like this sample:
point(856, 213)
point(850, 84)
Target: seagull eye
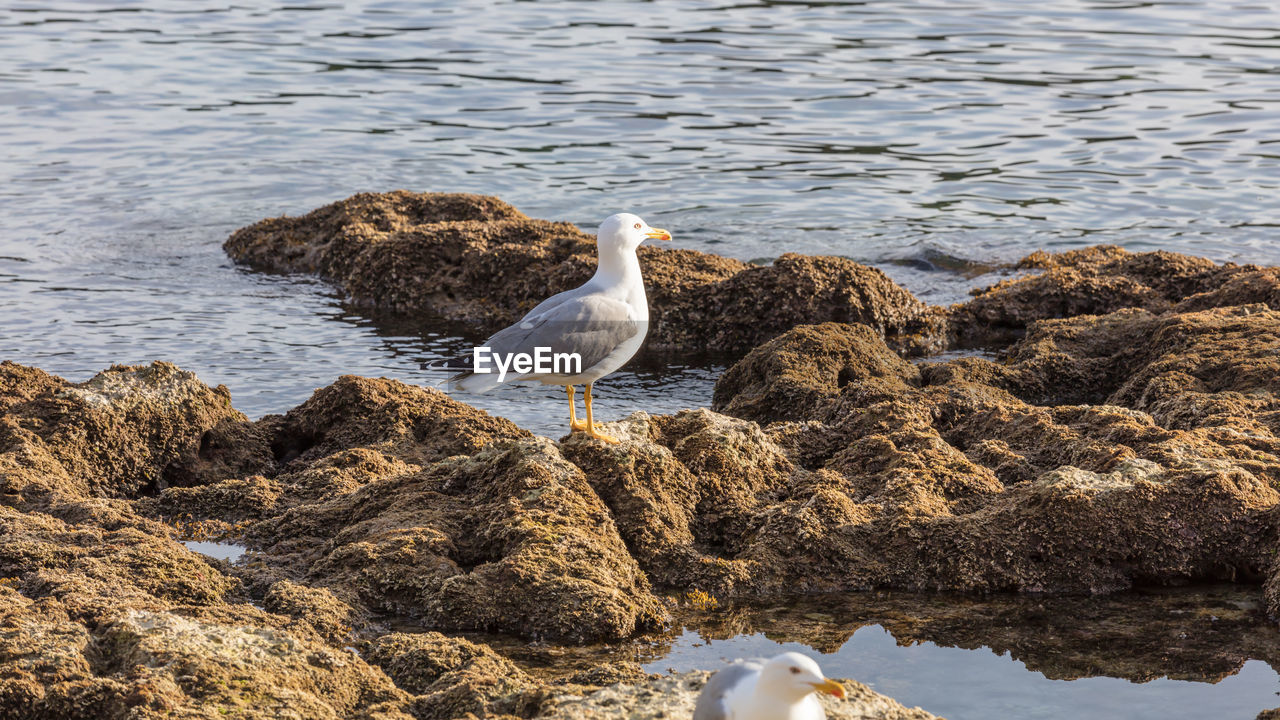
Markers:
point(637, 226)
point(794, 670)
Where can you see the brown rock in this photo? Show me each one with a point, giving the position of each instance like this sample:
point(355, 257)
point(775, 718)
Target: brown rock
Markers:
point(1103, 279)
point(479, 260)
point(97, 573)
point(128, 431)
point(327, 615)
point(250, 672)
point(975, 477)
point(405, 422)
point(511, 539)
point(453, 676)
point(797, 375)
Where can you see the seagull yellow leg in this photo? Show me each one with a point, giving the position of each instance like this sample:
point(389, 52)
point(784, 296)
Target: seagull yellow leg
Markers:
point(574, 424)
point(591, 428)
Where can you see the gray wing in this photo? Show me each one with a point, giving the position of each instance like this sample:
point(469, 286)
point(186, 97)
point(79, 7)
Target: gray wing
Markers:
point(711, 705)
point(550, 303)
point(591, 325)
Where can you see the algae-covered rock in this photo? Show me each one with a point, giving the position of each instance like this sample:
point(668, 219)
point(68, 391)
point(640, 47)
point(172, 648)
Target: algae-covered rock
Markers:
point(976, 475)
point(510, 539)
point(373, 496)
point(453, 677)
point(409, 423)
point(1103, 279)
point(96, 573)
point(125, 432)
point(201, 667)
point(795, 376)
point(476, 259)
point(327, 615)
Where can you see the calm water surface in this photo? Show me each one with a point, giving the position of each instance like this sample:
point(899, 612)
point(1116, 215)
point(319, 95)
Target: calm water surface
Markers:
point(931, 139)
point(1206, 652)
point(981, 684)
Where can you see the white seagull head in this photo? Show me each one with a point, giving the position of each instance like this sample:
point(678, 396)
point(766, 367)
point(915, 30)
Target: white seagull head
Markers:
point(793, 676)
point(625, 231)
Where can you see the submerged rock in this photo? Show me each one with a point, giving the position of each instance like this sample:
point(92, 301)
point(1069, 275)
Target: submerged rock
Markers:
point(476, 259)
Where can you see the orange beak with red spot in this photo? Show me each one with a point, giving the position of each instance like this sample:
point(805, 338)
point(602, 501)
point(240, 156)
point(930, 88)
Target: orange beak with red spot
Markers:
point(830, 687)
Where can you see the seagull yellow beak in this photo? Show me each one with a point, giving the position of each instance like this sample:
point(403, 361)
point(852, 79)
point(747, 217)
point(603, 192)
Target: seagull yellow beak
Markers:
point(658, 234)
point(830, 687)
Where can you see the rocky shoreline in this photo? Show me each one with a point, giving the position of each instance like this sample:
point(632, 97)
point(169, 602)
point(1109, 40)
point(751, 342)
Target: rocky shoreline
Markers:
point(1125, 435)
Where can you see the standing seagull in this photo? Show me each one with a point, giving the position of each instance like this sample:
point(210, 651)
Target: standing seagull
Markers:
point(780, 689)
point(603, 322)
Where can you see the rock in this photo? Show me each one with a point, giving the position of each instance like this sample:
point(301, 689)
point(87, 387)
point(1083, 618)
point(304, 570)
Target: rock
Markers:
point(453, 677)
point(411, 424)
point(674, 696)
point(1125, 436)
point(476, 259)
point(684, 491)
point(610, 674)
point(126, 432)
point(757, 303)
point(509, 539)
point(973, 476)
point(197, 667)
point(798, 374)
point(96, 573)
point(1103, 279)
point(325, 614)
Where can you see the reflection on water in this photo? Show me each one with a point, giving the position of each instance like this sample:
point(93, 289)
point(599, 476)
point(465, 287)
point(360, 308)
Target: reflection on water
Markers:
point(964, 684)
point(230, 552)
point(1183, 653)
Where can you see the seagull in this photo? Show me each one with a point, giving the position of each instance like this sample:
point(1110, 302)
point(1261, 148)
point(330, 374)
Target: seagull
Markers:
point(602, 323)
point(781, 688)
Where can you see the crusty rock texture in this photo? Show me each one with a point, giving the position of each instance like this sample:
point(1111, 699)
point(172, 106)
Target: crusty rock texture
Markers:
point(374, 496)
point(477, 259)
point(1106, 451)
point(510, 539)
point(1102, 279)
point(126, 432)
point(1121, 432)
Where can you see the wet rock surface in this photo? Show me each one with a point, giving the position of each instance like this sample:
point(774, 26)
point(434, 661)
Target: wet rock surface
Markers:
point(372, 497)
point(475, 258)
point(1102, 279)
point(1124, 435)
point(1103, 452)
